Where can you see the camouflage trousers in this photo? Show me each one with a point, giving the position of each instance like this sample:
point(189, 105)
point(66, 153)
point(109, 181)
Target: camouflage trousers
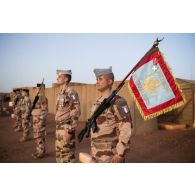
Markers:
point(17, 119)
point(65, 152)
point(39, 132)
point(25, 125)
point(102, 151)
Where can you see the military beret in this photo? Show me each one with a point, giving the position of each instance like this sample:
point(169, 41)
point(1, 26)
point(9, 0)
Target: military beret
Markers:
point(103, 71)
point(39, 85)
point(59, 72)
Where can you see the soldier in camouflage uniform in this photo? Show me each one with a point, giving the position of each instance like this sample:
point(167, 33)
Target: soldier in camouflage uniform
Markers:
point(67, 115)
point(17, 111)
point(39, 114)
point(12, 97)
point(25, 107)
point(111, 141)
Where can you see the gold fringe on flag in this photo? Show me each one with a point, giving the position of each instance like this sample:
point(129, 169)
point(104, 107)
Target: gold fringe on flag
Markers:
point(163, 111)
point(177, 84)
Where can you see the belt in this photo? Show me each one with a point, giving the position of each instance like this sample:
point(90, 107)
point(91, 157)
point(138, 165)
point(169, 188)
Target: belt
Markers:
point(104, 145)
point(63, 122)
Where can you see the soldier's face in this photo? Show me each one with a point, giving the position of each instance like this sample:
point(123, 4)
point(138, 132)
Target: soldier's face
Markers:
point(61, 79)
point(23, 93)
point(103, 83)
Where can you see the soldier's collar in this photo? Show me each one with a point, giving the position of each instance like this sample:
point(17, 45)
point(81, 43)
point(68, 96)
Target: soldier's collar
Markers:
point(63, 91)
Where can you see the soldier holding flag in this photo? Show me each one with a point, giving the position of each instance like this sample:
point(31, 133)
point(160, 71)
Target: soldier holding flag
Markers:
point(111, 140)
point(146, 88)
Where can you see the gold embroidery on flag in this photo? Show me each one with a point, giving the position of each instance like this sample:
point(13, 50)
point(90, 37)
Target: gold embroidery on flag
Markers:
point(168, 109)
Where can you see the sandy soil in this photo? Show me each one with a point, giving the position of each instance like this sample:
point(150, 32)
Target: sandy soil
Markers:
point(159, 146)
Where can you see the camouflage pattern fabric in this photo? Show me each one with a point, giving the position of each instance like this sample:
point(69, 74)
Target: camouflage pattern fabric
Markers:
point(114, 131)
point(67, 115)
point(25, 107)
point(39, 115)
point(17, 111)
point(64, 151)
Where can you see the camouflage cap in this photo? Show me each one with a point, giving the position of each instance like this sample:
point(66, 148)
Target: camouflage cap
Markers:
point(102, 71)
point(59, 72)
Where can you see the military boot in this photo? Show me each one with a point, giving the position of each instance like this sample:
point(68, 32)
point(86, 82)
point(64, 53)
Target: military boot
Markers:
point(14, 126)
point(18, 129)
point(37, 155)
point(24, 139)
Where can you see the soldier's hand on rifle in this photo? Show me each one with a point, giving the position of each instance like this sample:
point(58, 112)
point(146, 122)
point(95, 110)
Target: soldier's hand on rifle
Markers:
point(117, 159)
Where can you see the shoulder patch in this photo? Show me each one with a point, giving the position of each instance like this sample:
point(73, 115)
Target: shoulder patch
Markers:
point(74, 95)
point(122, 108)
point(125, 109)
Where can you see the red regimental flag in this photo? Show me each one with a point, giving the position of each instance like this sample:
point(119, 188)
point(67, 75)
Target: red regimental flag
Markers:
point(154, 88)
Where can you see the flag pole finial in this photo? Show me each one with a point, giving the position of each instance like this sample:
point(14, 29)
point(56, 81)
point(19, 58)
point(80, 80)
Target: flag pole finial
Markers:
point(155, 44)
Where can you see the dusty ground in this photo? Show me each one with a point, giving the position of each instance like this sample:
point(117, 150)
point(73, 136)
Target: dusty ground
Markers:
point(159, 146)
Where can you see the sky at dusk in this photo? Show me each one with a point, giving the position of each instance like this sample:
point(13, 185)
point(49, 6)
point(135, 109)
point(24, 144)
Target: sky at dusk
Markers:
point(27, 58)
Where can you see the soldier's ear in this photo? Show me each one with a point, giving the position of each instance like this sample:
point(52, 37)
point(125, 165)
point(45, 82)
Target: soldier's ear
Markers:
point(110, 81)
point(66, 79)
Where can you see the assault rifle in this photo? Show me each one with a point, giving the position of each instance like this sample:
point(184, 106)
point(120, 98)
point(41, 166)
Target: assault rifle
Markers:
point(36, 97)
